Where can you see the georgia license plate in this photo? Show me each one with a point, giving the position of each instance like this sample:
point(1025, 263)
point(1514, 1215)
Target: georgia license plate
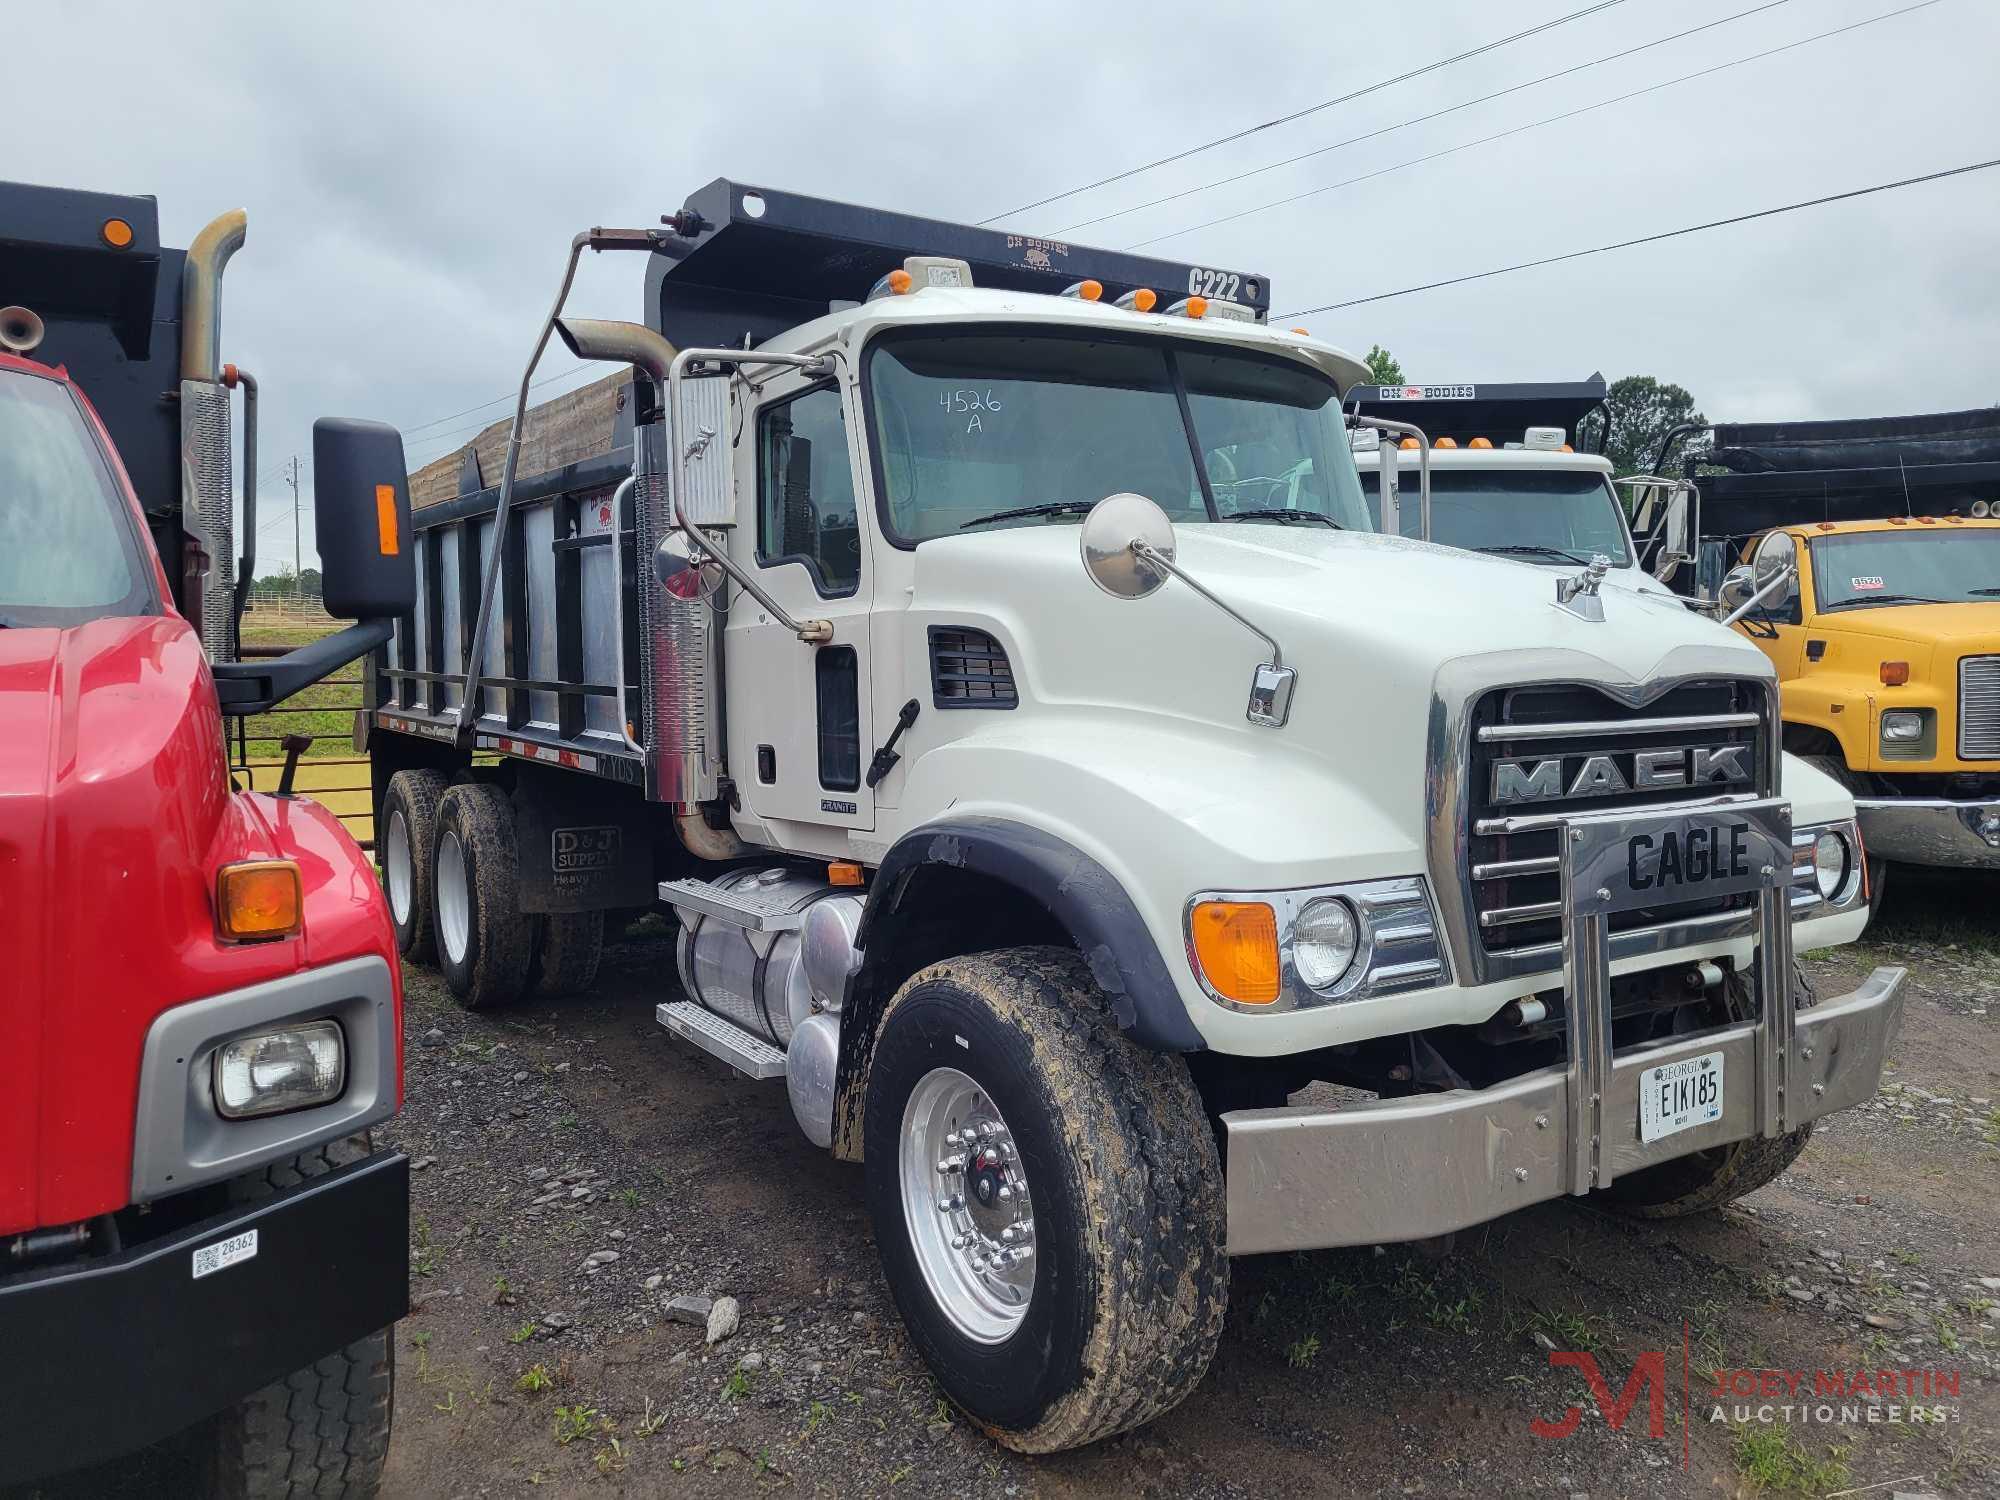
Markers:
point(1678, 1096)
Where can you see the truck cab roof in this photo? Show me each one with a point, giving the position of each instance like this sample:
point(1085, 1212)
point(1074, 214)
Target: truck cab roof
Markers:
point(936, 306)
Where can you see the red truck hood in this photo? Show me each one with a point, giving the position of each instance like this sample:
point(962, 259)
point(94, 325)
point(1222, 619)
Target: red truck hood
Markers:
point(114, 801)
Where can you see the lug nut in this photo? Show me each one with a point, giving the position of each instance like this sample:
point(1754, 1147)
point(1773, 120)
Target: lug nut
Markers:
point(952, 1164)
point(951, 1203)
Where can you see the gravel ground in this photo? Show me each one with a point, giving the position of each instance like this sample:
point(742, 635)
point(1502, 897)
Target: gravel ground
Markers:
point(596, 1204)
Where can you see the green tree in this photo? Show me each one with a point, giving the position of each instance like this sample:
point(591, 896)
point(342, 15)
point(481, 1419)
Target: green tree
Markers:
point(1382, 366)
point(1643, 411)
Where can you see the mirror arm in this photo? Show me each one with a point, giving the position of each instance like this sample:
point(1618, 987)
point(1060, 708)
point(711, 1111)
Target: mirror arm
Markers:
point(1151, 554)
point(1383, 424)
point(1783, 576)
point(252, 687)
point(813, 632)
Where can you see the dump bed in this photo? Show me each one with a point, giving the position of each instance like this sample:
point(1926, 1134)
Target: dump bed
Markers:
point(1782, 473)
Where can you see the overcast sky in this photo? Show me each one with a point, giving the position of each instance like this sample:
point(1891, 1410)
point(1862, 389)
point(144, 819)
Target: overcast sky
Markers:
point(413, 173)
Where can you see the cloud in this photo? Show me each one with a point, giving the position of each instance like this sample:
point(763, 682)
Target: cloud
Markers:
point(413, 173)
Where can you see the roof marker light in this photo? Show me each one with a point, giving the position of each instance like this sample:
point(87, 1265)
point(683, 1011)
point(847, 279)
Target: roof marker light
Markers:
point(1142, 299)
point(1480, 443)
point(1899, 520)
point(1085, 290)
point(1565, 448)
point(899, 281)
point(1306, 331)
point(1445, 443)
point(1408, 443)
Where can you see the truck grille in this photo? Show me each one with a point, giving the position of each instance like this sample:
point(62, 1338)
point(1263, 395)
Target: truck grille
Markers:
point(1979, 708)
point(1605, 754)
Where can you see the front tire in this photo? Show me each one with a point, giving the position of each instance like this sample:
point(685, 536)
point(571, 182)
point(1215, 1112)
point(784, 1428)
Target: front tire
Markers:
point(323, 1430)
point(1708, 1179)
point(409, 837)
point(1089, 1297)
point(484, 940)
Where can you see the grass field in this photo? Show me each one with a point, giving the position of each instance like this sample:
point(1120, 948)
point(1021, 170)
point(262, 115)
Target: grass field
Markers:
point(329, 770)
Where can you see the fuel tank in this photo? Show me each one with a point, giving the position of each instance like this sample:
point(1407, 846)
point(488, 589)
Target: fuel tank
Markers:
point(765, 982)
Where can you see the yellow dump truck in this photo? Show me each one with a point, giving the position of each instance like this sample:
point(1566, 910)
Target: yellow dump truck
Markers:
point(1875, 546)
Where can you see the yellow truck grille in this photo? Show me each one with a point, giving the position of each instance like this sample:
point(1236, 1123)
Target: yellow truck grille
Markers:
point(1979, 708)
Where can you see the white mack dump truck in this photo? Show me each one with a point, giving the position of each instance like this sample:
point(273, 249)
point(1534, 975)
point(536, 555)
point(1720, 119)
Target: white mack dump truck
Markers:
point(983, 646)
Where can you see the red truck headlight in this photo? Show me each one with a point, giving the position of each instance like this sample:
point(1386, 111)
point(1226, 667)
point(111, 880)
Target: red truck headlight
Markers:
point(285, 1068)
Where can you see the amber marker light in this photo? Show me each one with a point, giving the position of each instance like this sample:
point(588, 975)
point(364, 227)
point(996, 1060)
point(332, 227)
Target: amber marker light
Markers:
point(389, 540)
point(258, 900)
point(116, 233)
point(1895, 673)
point(1480, 443)
point(899, 281)
point(1236, 948)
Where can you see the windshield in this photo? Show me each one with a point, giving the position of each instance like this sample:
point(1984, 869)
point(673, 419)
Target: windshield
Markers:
point(1538, 515)
point(68, 546)
point(975, 431)
point(1931, 566)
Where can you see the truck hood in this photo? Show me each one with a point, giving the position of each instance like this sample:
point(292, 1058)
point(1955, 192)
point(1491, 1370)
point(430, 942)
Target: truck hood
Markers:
point(113, 793)
point(1957, 629)
point(1156, 689)
point(1335, 601)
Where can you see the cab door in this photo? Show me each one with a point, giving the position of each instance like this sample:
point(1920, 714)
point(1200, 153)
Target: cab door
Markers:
point(1778, 624)
point(798, 713)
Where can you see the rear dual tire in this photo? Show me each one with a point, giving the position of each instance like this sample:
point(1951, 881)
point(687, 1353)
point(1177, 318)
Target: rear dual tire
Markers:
point(409, 840)
point(1114, 1314)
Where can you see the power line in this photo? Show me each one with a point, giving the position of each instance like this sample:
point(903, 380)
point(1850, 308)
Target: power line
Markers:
point(1648, 239)
point(1311, 109)
point(1501, 135)
point(1355, 140)
point(447, 439)
point(509, 396)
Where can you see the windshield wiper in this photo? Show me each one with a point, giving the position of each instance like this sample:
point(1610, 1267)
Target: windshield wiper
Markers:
point(1886, 599)
point(1535, 549)
point(1053, 508)
point(1276, 514)
point(1983, 591)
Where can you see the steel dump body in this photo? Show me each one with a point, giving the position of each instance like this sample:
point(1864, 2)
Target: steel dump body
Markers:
point(552, 677)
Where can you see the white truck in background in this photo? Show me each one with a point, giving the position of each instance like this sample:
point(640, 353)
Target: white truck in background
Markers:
point(983, 644)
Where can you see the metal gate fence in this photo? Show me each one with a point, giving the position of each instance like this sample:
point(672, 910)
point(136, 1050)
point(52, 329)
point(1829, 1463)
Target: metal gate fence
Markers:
point(339, 782)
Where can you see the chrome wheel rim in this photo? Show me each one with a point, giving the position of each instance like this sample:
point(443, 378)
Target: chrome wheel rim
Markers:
point(965, 1201)
point(396, 865)
point(454, 897)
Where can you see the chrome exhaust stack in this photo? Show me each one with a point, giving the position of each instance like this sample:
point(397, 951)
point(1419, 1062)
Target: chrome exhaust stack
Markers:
point(207, 554)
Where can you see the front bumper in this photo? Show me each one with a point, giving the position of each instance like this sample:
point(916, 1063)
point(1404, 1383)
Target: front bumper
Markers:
point(107, 1355)
point(1932, 831)
point(1408, 1169)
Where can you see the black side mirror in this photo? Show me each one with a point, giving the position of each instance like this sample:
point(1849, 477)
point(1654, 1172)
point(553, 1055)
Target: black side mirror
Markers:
point(361, 489)
point(367, 568)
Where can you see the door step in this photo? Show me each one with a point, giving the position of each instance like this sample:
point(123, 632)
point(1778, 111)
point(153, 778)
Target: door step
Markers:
point(749, 905)
point(745, 1053)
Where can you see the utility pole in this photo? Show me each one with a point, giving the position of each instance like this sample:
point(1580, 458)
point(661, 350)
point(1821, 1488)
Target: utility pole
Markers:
point(298, 573)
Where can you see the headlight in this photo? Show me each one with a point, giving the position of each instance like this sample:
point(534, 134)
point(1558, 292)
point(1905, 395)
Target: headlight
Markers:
point(1830, 864)
point(1272, 951)
point(270, 1072)
point(1323, 942)
point(1902, 726)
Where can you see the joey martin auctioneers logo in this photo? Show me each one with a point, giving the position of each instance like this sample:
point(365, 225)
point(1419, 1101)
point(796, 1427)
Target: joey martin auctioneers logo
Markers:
point(1830, 1398)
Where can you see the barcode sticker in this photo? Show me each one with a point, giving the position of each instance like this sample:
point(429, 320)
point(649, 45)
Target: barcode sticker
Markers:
point(224, 1253)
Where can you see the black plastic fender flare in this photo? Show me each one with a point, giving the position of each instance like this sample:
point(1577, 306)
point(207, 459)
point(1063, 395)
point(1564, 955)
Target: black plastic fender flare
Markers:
point(1074, 888)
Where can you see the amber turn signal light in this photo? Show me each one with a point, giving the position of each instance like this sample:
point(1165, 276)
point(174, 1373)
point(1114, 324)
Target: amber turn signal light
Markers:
point(1236, 948)
point(1895, 673)
point(843, 872)
point(257, 900)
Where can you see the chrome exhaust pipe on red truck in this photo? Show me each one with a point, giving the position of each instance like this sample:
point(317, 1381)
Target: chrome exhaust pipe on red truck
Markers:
point(207, 554)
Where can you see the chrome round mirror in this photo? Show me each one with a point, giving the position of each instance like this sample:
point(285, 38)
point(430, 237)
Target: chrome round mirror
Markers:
point(1736, 588)
point(1114, 524)
point(1778, 553)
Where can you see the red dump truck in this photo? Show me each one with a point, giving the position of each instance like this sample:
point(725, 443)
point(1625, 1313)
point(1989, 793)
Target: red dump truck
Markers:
point(200, 1006)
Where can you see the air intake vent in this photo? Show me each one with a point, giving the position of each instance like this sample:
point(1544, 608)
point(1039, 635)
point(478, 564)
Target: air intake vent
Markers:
point(969, 669)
